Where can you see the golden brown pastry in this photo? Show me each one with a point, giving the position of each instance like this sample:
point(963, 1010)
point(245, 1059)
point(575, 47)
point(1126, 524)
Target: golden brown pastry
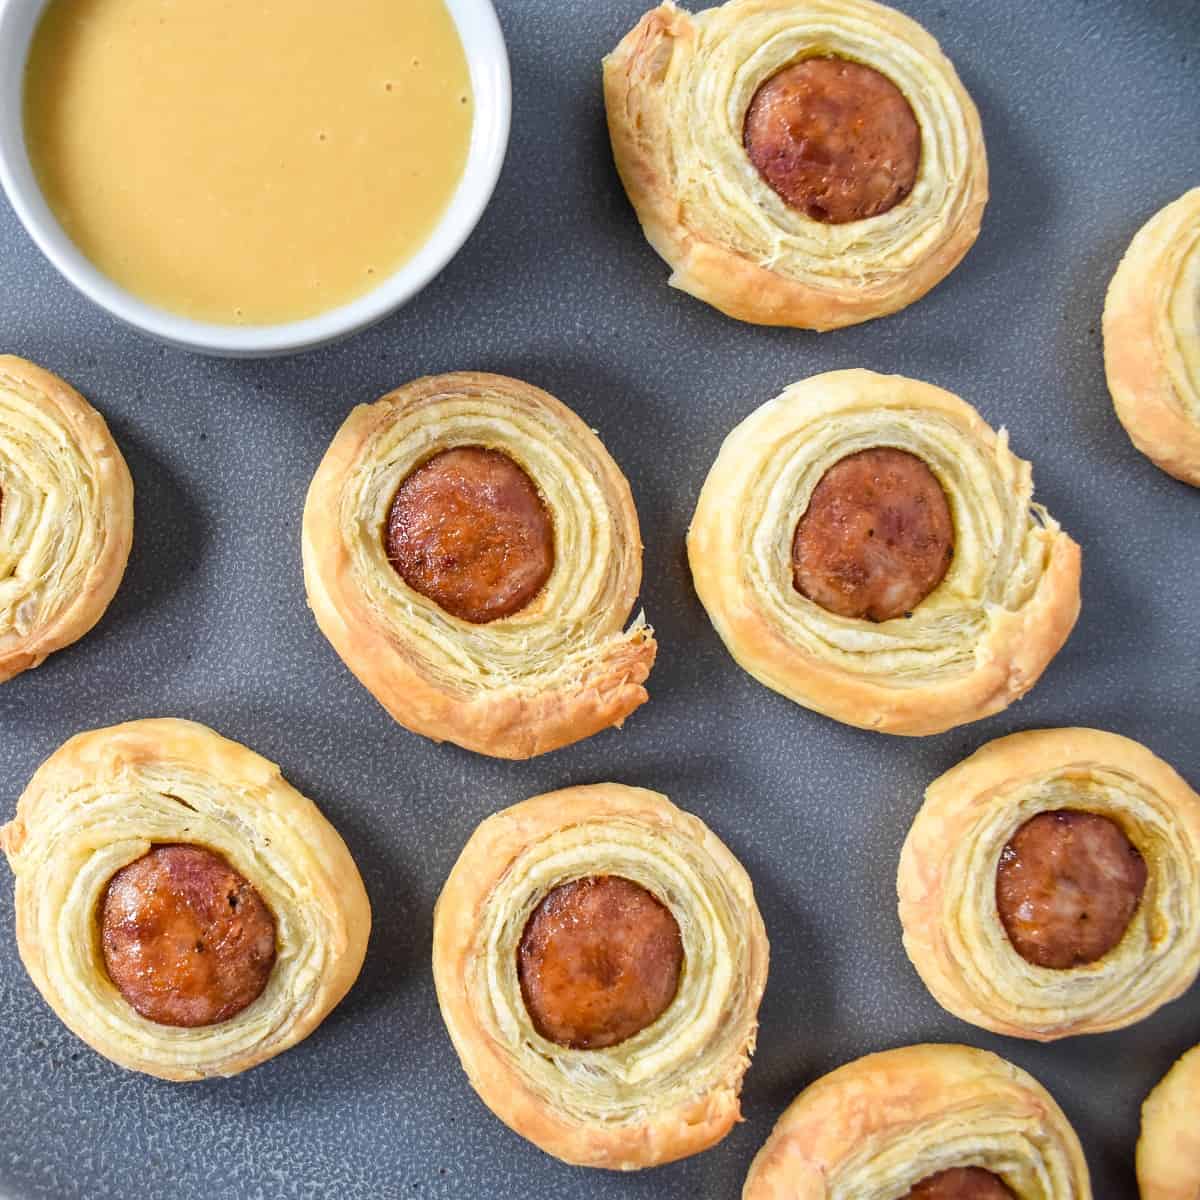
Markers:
point(813, 163)
point(867, 546)
point(1152, 339)
point(182, 909)
point(473, 554)
point(1050, 885)
point(918, 1123)
point(66, 515)
point(1168, 1152)
point(599, 961)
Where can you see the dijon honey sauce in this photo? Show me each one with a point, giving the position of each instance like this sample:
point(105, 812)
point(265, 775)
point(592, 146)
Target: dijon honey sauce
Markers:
point(248, 161)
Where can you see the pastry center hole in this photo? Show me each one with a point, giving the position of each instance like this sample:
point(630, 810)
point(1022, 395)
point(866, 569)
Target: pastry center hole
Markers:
point(468, 530)
point(598, 962)
point(1067, 886)
point(877, 536)
point(834, 139)
point(187, 940)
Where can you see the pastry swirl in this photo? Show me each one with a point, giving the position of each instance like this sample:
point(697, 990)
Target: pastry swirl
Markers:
point(948, 896)
point(875, 1128)
point(979, 641)
point(100, 803)
point(66, 515)
point(1168, 1151)
point(671, 1089)
point(561, 668)
point(1152, 339)
point(677, 90)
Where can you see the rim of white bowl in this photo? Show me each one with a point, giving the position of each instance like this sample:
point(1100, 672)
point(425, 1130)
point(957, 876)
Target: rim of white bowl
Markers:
point(487, 59)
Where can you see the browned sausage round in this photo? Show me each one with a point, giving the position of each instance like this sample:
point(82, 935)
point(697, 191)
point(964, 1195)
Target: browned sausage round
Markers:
point(962, 1183)
point(1067, 887)
point(599, 961)
point(877, 536)
point(468, 530)
point(834, 139)
point(186, 939)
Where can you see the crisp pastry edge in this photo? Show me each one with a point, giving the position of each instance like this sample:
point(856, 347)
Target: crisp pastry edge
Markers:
point(152, 739)
point(115, 487)
point(1139, 382)
point(1168, 1149)
point(662, 1137)
point(502, 724)
point(725, 279)
point(826, 1123)
point(1011, 758)
point(1021, 644)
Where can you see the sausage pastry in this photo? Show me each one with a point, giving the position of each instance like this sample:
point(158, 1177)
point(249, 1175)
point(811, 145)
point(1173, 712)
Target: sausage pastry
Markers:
point(599, 960)
point(1152, 339)
point(922, 1123)
point(813, 163)
point(867, 546)
point(472, 552)
point(181, 908)
point(1168, 1152)
point(1050, 885)
point(66, 515)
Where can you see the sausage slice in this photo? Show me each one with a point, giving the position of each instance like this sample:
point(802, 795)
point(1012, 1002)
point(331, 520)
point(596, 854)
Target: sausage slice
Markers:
point(186, 939)
point(1067, 887)
point(468, 530)
point(598, 962)
point(835, 139)
point(877, 536)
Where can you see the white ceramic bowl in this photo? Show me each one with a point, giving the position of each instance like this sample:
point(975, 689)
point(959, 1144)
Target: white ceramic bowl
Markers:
point(488, 61)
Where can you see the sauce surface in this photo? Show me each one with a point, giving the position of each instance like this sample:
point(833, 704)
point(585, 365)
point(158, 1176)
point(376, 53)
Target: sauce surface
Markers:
point(248, 161)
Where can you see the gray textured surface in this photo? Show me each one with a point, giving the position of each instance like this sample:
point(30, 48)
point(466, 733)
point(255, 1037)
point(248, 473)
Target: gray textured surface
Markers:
point(1092, 116)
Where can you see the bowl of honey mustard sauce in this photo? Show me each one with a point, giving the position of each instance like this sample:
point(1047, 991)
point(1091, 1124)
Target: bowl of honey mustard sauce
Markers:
point(251, 177)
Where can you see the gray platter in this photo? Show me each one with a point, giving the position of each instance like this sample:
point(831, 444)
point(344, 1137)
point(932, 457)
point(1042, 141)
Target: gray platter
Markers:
point(1092, 117)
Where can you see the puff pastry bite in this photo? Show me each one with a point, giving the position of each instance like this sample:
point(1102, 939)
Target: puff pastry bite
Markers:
point(922, 1123)
point(1050, 885)
point(813, 163)
point(868, 547)
point(473, 554)
point(182, 908)
point(1152, 339)
point(1168, 1152)
point(66, 515)
point(599, 960)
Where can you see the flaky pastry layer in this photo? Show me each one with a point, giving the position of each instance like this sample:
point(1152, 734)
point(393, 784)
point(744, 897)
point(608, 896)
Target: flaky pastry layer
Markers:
point(560, 669)
point(1168, 1151)
point(670, 1090)
point(1152, 339)
point(977, 643)
point(102, 801)
point(677, 89)
point(947, 884)
point(66, 515)
point(872, 1129)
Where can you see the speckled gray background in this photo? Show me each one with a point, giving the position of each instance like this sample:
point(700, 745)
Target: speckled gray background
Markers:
point(1092, 116)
